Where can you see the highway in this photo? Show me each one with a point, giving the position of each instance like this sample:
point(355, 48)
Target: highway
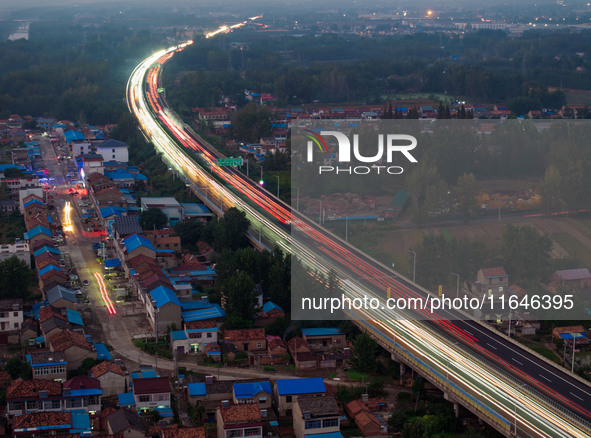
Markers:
point(514, 390)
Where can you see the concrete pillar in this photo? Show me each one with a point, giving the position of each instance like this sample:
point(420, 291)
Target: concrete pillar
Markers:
point(402, 369)
point(457, 410)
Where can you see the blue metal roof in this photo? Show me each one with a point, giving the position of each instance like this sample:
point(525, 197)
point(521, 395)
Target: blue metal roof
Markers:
point(74, 135)
point(110, 211)
point(140, 177)
point(325, 435)
point(311, 385)
point(178, 335)
point(135, 241)
point(215, 311)
point(80, 423)
point(74, 317)
point(126, 399)
point(112, 263)
point(102, 352)
point(39, 229)
point(163, 295)
point(250, 389)
point(572, 335)
point(48, 268)
point(325, 331)
point(32, 201)
point(270, 305)
point(193, 305)
point(144, 374)
point(197, 389)
point(84, 392)
point(165, 412)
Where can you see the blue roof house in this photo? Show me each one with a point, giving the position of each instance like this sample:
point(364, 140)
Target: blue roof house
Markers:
point(288, 390)
point(164, 309)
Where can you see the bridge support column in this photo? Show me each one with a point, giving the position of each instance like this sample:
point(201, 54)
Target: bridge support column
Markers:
point(457, 410)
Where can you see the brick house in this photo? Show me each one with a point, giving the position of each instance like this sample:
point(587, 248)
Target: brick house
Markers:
point(315, 415)
point(247, 339)
point(239, 421)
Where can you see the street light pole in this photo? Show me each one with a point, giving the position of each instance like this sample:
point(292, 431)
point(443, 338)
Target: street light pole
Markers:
point(414, 264)
point(457, 284)
point(277, 176)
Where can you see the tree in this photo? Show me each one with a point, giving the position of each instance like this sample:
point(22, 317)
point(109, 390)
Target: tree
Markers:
point(550, 189)
point(240, 298)
point(526, 254)
point(190, 232)
point(153, 219)
point(230, 230)
point(16, 277)
point(364, 351)
point(466, 195)
point(18, 368)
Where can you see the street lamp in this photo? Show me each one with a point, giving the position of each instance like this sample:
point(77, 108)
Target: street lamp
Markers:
point(457, 284)
point(414, 264)
point(277, 176)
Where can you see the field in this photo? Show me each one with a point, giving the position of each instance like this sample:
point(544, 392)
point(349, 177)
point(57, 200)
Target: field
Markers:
point(389, 242)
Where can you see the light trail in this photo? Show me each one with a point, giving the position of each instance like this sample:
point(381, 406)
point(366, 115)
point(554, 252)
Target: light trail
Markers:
point(105, 294)
point(68, 225)
point(494, 390)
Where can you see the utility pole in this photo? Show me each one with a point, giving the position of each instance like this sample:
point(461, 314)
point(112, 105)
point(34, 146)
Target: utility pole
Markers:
point(414, 264)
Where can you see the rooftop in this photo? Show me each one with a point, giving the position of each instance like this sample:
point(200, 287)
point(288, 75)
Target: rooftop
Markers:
point(66, 339)
point(250, 389)
point(244, 334)
point(58, 420)
point(123, 419)
point(318, 406)
point(20, 388)
point(240, 413)
point(574, 274)
point(327, 331)
point(494, 272)
point(152, 385)
point(104, 368)
point(311, 385)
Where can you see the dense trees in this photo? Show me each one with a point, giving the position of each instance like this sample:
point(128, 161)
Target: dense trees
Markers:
point(16, 277)
point(153, 219)
point(526, 254)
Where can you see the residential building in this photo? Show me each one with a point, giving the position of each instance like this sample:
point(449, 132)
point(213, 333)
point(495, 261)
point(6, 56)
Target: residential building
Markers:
point(259, 393)
point(287, 391)
point(162, 304)
point(90, 163)
point(321, 339)
point(368, 423)
point(41, 424)
point(74, 345)
point(11, 315)
point(493, 281)
point(113, 150)
point(247, 339)
point(61, 297)
point(151, 393)
point(127, 423)
point(50, 365)
point(315, 415)
point(236, 421)
point(572, 278)
point(111, 377)
point(19, 249)
point(25, 396)
point(169, 206)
